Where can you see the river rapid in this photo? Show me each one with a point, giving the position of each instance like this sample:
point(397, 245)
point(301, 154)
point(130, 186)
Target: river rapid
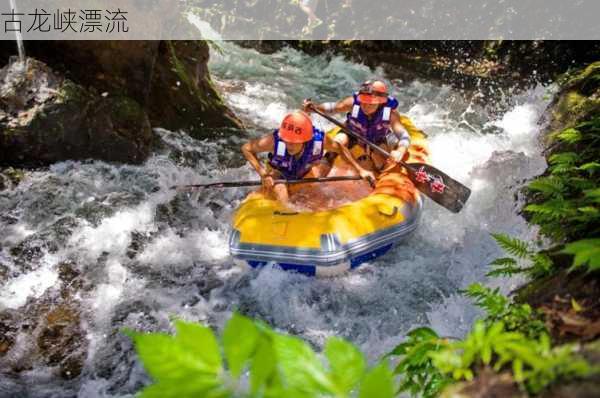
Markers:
point(111, 246)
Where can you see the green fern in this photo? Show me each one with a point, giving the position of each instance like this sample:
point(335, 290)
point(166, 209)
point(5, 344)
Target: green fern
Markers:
point(590, 167)
point(488, 299)
point(552, 210)
point(569, 136)
point(568, 158)
point(505, 266)
point(542, 266)
point(513, 246)
point(419, 376)
point(593, 195)
point(547, 185)
point(533, 362)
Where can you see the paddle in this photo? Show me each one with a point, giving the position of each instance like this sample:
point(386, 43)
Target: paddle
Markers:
point(435, 184)
point(253, 183)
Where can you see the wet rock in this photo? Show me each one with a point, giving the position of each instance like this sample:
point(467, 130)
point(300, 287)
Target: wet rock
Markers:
point(29, 252)
point(4, 271)
point(96, 210)
point(169, 80)
point(7, 334)
point(50, 332)
point(208, 283)
point(578, 99)
point(139, 240)
point(71, 280)
point(60, 339)
point(51, 118)
point(10, 177)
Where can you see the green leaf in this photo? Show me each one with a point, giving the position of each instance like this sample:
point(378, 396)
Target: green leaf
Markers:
point(188, 387)
point(423, 334)
point(564, 158)
point(263, 365)
point(586, 251)
point(347, 364)
point(590, 167)
point(588, 210)
point(504, 261)
point(239, 342)
point(505, 266)
point(513, 246)
point(300, 366)
point(199, 342)
point(518, 370)
point(569, 136)
point(593, 195)
point(163, 358)
point(542, 265)
point(378, 382)
point(547, 185)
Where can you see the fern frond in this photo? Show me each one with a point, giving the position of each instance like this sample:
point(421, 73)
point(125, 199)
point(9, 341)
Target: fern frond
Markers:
point(562, 168)
point(547, 185)
point(570, 136)
point(505, 271)
point(581, 183)
point(590, 167)
point(567, 158)
point(542, 265)
point(514, 246)
point(593, 195)
point(505, 266)
point(503, 261)
point(552, 209)
point(491, 300)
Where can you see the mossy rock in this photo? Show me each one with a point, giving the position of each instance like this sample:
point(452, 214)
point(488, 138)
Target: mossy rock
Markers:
point(579, 98)
point(53, 119)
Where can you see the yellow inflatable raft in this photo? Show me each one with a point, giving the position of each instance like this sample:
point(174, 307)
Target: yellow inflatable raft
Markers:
point(333, 240)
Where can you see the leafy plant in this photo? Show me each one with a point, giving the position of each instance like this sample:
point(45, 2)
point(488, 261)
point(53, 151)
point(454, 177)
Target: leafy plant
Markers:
point(566, 202)
point(538, 264)
point(586, 252)
point(419, 376)
point(516, 317)
point(532, 361)
point(193, 363)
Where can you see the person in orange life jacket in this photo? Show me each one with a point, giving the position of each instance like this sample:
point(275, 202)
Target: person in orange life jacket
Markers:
point(295, 150)
point(372, 113)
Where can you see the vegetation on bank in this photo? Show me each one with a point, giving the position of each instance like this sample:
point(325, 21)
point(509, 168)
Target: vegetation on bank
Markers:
point(523, 348)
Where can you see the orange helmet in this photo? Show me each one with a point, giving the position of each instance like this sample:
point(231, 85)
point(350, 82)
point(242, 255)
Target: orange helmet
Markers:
point(296, 128)
point(373, 92)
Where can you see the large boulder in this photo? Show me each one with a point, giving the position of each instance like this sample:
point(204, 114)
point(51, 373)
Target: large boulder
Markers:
point(45, 118)
point(168, 79)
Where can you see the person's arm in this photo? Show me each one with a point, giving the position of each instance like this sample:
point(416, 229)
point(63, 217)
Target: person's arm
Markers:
point(341, 106)
point(334, 146)
point(254, 147)
point(398, 153)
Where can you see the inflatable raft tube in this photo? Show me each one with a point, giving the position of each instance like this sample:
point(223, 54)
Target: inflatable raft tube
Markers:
point(330, 242)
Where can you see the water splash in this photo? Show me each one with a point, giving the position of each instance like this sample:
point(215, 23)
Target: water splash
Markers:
point(18, 34)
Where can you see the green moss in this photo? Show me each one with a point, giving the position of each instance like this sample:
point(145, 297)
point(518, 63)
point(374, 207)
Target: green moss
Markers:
point(14, 175)
point(126, 109)
point(71, 92)
point(585, 74)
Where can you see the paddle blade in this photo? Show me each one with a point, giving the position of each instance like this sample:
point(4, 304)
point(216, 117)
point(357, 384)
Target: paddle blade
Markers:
point(438, 186)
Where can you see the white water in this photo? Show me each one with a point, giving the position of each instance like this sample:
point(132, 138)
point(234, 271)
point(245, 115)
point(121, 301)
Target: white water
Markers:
point(180, 266)
point(18, 34)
